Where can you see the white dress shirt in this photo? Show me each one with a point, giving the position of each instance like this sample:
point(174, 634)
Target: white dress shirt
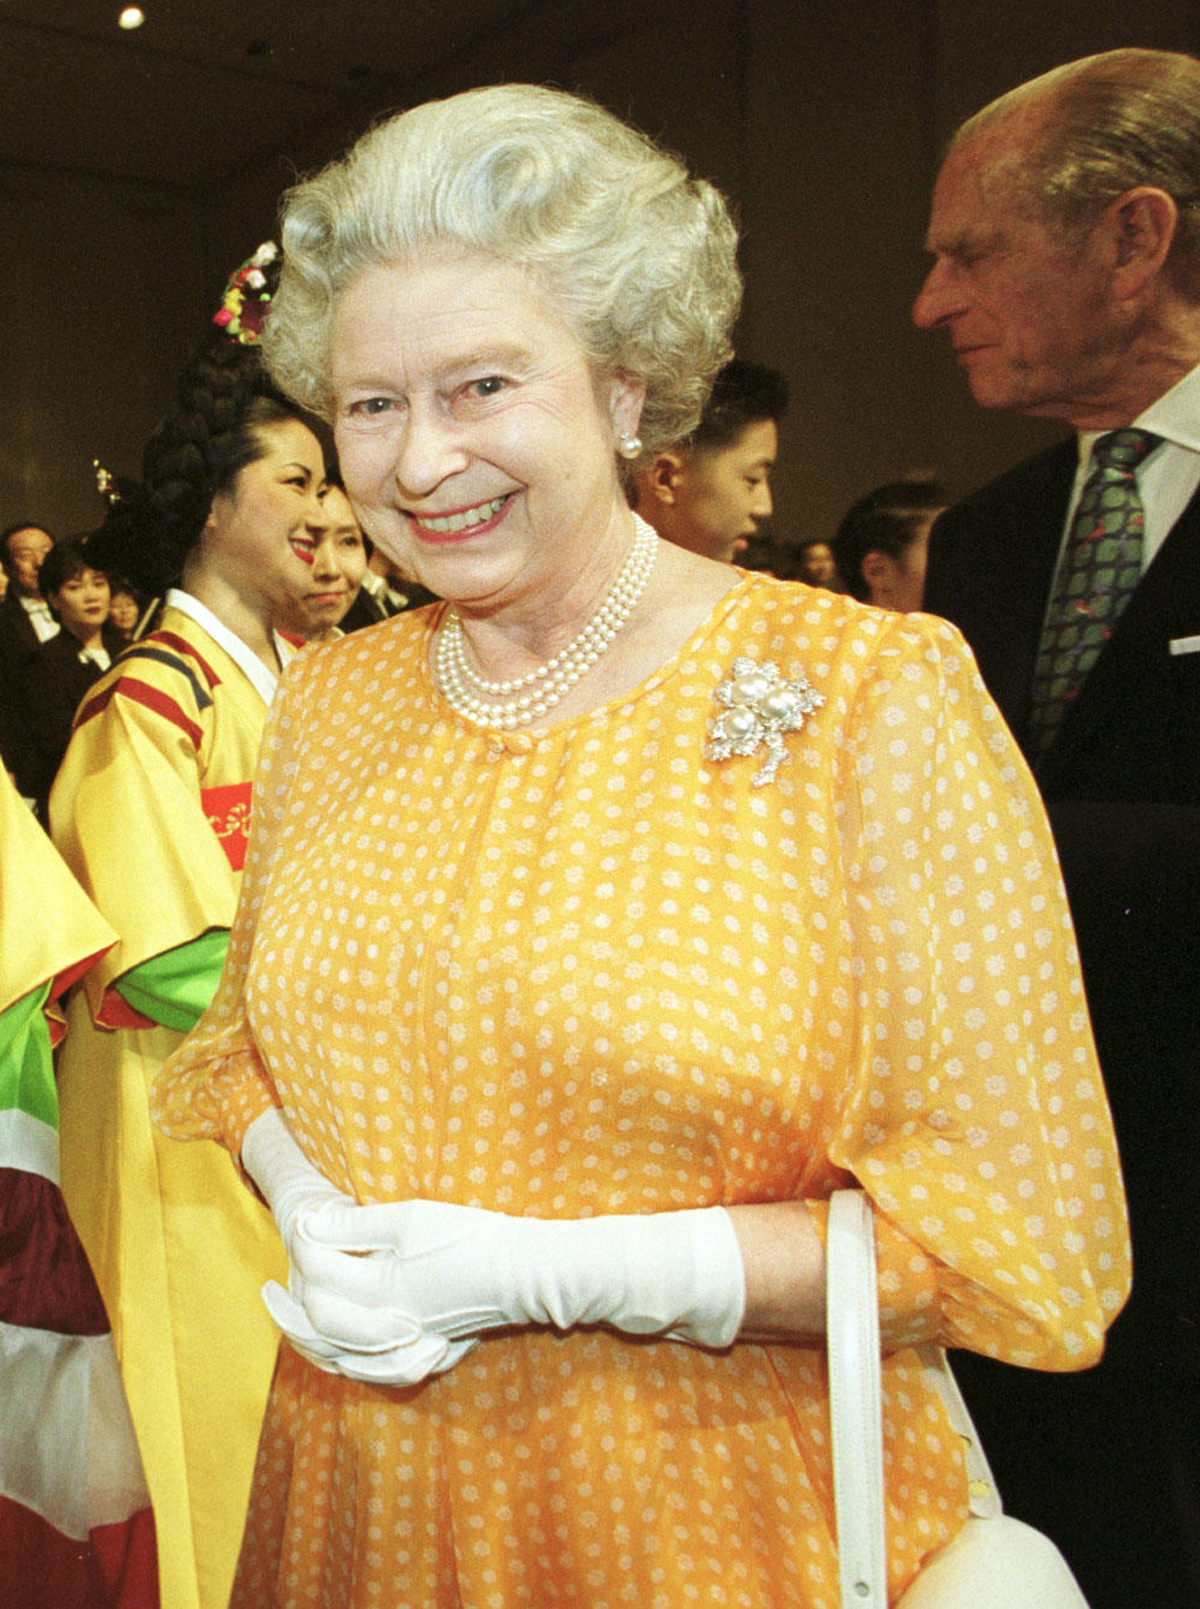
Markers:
point(40, 618)
point(1169, 476)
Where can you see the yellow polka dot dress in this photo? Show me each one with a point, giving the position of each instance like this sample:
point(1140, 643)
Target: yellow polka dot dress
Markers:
point(592, 970)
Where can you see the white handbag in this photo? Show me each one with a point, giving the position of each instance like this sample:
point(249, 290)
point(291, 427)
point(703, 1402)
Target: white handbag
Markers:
point(995, 1562)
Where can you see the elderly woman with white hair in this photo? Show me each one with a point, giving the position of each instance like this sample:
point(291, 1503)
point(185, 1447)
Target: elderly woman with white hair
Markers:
point(598, 922)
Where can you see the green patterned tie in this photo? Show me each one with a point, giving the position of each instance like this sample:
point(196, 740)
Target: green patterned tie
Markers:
point(1100, 565)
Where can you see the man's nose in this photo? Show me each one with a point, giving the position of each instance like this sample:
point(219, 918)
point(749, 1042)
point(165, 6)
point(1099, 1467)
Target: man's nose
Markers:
point(937, 299)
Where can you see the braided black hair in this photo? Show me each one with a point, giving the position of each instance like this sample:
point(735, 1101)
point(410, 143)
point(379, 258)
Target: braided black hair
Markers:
point(224, 398)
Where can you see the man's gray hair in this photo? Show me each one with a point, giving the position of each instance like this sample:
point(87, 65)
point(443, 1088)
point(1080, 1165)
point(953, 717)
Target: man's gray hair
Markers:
point(1104, 125)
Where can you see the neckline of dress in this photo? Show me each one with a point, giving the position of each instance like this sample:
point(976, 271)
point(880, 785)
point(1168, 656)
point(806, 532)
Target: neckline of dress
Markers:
point(264, 683)
point(524, 739)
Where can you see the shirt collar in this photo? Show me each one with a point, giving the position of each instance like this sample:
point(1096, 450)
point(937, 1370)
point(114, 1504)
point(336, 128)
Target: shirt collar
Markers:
point(382, 590)
point(260, 678)
point(1175, 416)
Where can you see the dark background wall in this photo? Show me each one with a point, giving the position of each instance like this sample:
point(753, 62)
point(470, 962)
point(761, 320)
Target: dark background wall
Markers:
point(822, 122)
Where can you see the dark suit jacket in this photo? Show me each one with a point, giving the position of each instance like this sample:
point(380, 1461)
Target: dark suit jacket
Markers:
point(17, 641)
point(366, 610)
point(1122, 788)
point(51, 681)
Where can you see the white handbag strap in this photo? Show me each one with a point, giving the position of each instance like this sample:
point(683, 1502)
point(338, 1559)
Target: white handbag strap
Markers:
point(852, 1326)
point(856, 1408)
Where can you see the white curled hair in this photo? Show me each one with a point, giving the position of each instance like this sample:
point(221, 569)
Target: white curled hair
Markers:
point(639, 257)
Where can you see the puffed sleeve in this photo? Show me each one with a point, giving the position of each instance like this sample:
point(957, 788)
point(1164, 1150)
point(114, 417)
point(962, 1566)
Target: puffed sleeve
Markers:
point(50, 933)
point(216, 1084)
point(975, 1115)
point(127, 815)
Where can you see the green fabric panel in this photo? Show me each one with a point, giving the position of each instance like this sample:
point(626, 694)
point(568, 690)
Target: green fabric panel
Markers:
point(177, 987)
point(26, 1063)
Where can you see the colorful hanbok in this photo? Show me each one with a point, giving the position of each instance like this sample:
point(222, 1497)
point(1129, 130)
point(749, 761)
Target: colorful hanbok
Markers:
point(75, 1522)
point(150, 810)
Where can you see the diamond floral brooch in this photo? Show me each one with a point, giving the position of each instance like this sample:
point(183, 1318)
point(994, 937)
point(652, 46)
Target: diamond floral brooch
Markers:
point(760, 706)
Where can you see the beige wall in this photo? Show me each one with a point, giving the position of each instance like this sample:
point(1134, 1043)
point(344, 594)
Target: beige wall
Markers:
point(100, 284)
point(821, 120)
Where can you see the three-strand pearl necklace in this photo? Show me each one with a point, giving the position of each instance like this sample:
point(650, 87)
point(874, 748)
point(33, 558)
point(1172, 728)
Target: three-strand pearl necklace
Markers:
point(503, 706)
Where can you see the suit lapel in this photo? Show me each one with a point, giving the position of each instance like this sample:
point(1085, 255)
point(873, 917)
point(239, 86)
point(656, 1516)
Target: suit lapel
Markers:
point(993, 573)
point(1136, 721)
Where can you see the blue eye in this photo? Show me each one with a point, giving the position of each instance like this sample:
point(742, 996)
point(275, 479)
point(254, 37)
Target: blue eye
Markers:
point(489, 386)
point(370, 406)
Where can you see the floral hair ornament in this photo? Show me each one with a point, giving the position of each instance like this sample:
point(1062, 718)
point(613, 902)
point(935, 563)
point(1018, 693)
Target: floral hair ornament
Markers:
point(760, 706)
point(243, 310)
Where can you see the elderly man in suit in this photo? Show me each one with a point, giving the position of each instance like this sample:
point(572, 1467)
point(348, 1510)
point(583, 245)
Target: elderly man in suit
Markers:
point(25, 622)
point(1065, 232)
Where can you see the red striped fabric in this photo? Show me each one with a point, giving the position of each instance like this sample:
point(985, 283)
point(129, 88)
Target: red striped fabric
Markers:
point(169, 639)
point(152, 698)
point(116, 1012)
point(71, 975)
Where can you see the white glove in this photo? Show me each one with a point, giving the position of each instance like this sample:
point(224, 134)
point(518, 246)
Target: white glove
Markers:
point(298, 1195)
point(438, 1268)
point(407, 1356)
point(289, 1183)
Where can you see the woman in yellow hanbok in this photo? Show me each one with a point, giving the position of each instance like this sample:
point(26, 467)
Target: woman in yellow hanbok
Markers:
point(150, 810)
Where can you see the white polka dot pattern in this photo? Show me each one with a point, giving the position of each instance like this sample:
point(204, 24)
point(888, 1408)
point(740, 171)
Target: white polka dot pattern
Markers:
point(587, 970)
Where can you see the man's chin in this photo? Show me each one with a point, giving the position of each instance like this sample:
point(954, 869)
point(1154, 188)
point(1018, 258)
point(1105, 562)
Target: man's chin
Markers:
point(1000, 391)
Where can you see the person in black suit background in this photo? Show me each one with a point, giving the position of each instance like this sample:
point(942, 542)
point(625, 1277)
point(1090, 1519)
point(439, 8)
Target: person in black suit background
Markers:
point(25, 621)
point(23, 625)
point(1066, 234)
point(52, 679)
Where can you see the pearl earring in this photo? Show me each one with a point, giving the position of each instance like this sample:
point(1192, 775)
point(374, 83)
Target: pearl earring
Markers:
point(629, 445)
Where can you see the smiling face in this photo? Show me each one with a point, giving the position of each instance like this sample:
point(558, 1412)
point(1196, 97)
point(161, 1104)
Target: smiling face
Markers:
point(337, 559)
point(1029, 310)
point(259, 535)
point(81, 603)
point(476, 444)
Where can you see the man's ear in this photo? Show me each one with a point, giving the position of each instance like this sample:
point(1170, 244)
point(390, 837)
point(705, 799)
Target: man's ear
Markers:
point(660, 479)
point(1141, 225)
